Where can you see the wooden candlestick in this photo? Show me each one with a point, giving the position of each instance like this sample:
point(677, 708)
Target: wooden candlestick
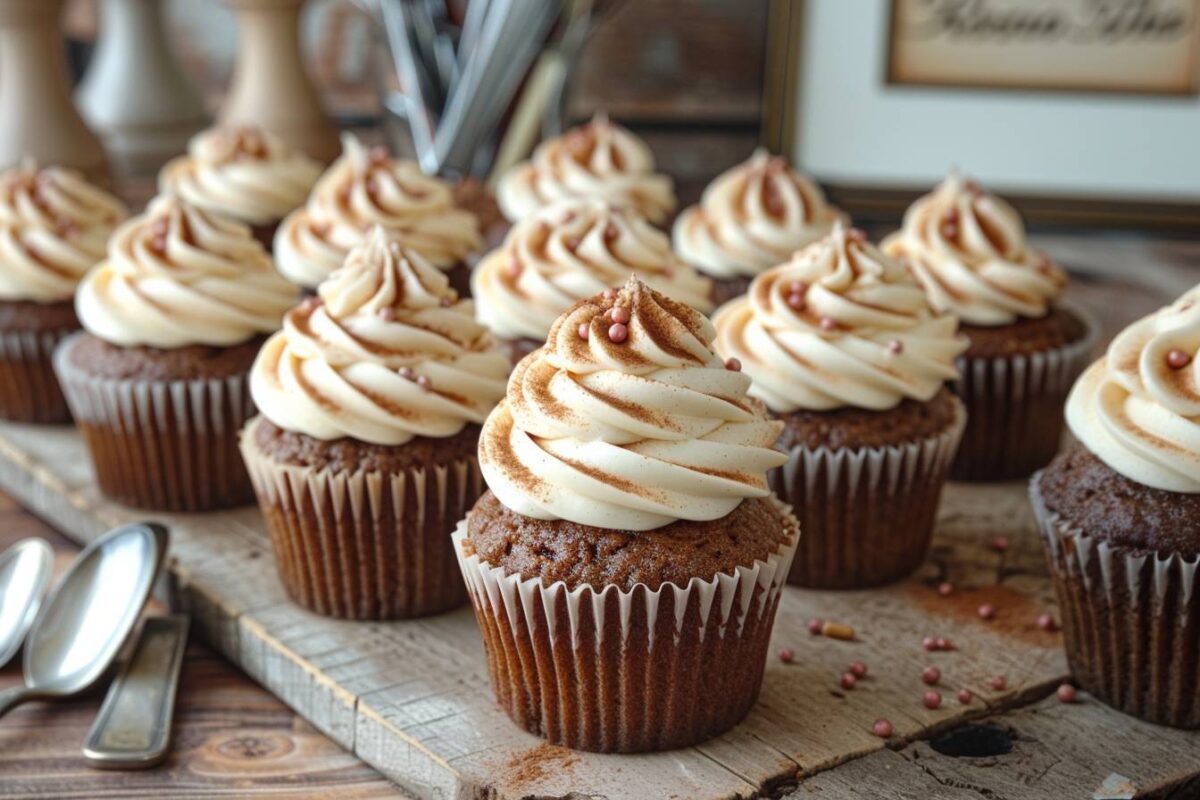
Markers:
point(135, 94)
point(270, 86)
point(37, 117)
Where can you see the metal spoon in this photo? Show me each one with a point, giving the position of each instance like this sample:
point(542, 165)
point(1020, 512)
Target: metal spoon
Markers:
point(81, 627)
point(24, 572)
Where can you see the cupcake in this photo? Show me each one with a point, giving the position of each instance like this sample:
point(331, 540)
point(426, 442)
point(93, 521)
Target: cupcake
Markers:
point(599, 160)
point(363, 189)
point(565, 253)
point(751, 218)
point(364, 455)
point(627, 561)
point(1120, 517)
point(967, 248)
point(844, 349)
point(172, 319)
point(53, 228)
point(245, 173)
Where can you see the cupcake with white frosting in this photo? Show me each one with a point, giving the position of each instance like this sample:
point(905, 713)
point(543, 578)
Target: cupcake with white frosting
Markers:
point(750, 218)
point(54, 226)
point(567, 252)
point(1120, 517)
point(844, 348)
point(245, 173)
point(597, 160)
point(968, 249)
point(365, 188)
point(157, 380)
point(627, 469)
point(364, 456)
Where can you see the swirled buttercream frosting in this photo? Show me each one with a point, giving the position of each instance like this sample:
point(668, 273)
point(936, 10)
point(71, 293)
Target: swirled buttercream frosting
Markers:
point(1138, 407)
point(245, 173)
point(385, 352)
point(752, 217)
point(360, 190)
point(967, 248)
point(178, 276)
point(628, 425)
point(840, 324)
point(570, 251)
point(54, 226)
point(599, 159)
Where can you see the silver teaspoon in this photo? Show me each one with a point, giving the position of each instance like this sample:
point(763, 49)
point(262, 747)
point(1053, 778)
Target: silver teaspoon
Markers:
point(81, 627)
point(24, 573)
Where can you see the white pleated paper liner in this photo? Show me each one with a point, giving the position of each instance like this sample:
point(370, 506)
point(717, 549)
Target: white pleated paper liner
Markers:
point(365, 544)
point(161, 445)
point(614, 670)
point(1130, 620)
point(1015, 406)
point(867, 514)
point(29, 391)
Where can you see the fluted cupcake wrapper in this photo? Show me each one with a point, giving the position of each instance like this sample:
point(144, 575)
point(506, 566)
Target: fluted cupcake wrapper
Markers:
point(1130, 620)
point(161, 445)
point(867, 514)
point(615, 670)
point(364, 544)
point(29, 392)
point(1015, 407)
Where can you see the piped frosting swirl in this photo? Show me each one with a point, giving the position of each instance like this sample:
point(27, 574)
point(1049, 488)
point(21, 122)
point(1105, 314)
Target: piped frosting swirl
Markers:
point(384, 353)
point(967, 247)
point(363, 189)
point(178, 276)
point(1138, 408)
point(243, 172)
point(599, 159)
point(54, 226)
point(630, 431)
point(570, 251)
point(752, 217)
point(841, 324)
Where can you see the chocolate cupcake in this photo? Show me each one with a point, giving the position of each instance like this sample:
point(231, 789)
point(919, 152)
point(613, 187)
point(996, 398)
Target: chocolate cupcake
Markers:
point(751, 218)
point(157, 380)
point(967, 248)
point(363, 189)
point(565, 253)
point(1120, 517)
point(245, 173)
point(627, 562)
point(364, 457)
point(599, 160)
point(53, 228)
point(843, 347)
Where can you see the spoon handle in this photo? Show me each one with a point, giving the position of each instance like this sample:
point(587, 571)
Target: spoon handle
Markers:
point(11, 698)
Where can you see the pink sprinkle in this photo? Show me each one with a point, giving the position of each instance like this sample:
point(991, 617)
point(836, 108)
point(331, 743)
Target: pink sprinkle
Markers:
point(998, 683)
point(929, 643)
point(160, 227)
point(610, 232)
point(372, 186)
point(158, 244)
point(1066, 693)
point(424, 382)
point(857, 234)
point(610, 294)
point(387, 314)
point(943, 643)
point(1178, 359)
point(895, 347)
point(882, 728)
point(787, 655)
point(931, 699)
point(514, 267)
point(949, 230)
point(796, 302)
point(733, 365)
point(446, 302)
point(618, 333)
point(378, 154)
point(620, 314)
point(858, 669)
point(572, 243)
point(797, 287)
point(951, 215)
point(407, 373)
point(931, 675)
point(965, 696)
point(945, 588)
point(584, 330)
point(848, 680)
point(987, 611)
point(310, 304)
point(815, 626)
point(1000, 543)
point(1047, 622)
point(829, 324)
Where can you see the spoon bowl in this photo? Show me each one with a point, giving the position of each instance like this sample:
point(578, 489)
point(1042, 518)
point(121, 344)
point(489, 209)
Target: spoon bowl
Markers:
point(79, 630)
point(24, 573)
